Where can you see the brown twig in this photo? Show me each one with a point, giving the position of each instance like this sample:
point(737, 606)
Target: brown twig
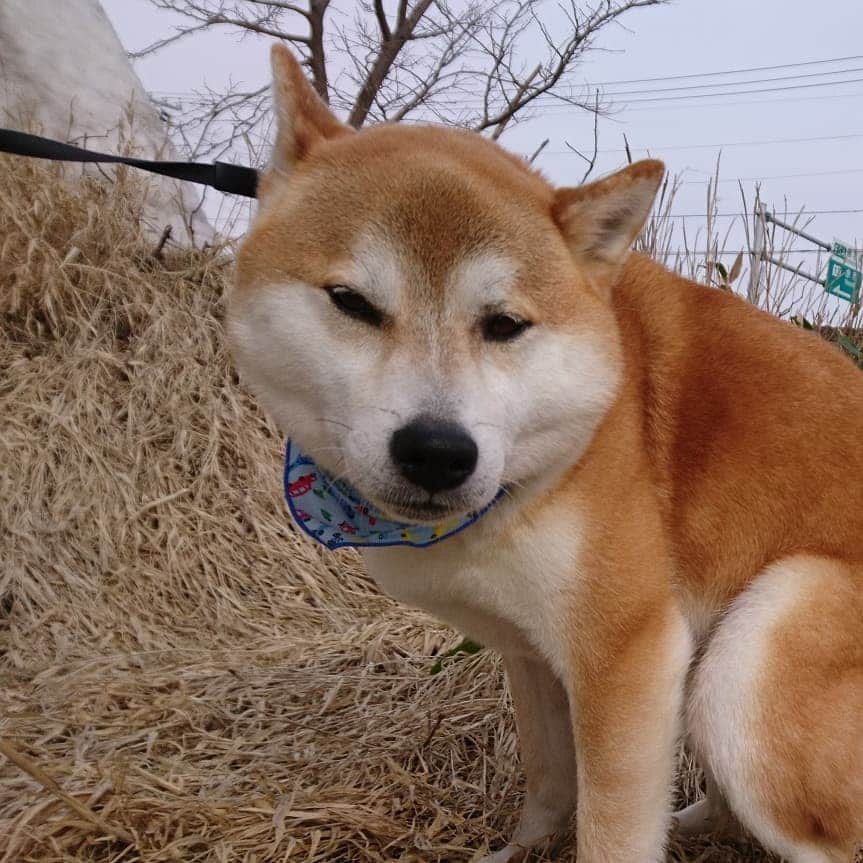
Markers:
point(538, 150)
point(590, 160)
point(628, 151)
point(432, 730)
point(166, 235)
point(32, 769)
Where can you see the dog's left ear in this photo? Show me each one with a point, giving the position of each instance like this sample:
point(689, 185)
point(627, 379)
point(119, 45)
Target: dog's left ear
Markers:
point(303, 120)
point(599, 221)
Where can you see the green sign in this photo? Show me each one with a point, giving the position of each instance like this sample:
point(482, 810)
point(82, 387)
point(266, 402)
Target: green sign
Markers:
point(839, 250)
point(842, 280)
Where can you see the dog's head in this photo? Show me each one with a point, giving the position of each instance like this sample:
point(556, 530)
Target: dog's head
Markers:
point(424, 314)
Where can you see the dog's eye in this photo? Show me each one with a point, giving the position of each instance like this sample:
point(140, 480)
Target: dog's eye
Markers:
point(354, 305)
point(503, 328)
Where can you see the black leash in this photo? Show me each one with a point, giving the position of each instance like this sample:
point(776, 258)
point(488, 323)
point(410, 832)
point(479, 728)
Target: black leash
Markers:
point(233, 179)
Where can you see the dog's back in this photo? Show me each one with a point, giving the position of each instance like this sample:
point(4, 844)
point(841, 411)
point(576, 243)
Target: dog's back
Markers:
point(753, 426)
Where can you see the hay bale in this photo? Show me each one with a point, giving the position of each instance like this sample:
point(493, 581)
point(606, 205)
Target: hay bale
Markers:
point(173, 654)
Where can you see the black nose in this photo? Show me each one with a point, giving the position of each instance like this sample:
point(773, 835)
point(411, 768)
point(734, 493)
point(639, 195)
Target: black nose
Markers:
point(437, 456)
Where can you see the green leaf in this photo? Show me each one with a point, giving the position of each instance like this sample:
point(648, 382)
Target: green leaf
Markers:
point(466, 646)
point(720, 268)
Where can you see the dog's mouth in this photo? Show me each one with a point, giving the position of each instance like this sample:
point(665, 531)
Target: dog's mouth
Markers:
point(431, 511)
point(427, 511)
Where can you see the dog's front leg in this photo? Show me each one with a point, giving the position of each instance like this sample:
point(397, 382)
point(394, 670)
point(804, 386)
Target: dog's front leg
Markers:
point(627, 698)
point(547, 754)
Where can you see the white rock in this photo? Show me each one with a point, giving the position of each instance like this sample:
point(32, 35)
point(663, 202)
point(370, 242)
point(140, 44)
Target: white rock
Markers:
point(63, 69)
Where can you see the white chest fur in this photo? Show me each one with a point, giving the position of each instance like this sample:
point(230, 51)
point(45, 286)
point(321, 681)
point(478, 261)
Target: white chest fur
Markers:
point(502, 583)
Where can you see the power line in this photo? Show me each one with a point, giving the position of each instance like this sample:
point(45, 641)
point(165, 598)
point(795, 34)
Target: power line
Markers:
point(727, 144)
point(842, 172)
point(709, 175)
point(730, 83)
point(688, 76)
point(555, 101)
point(562, 110)
point(558, 105)
point(552, 99)
point(734, 103)
point(728, 71)
point(739, 215)
point(738, 92)
point(744, 252)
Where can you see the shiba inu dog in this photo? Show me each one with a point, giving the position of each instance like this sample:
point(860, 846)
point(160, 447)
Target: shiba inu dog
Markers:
point(670, 538)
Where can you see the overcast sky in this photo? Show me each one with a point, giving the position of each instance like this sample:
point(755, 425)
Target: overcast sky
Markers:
point(756, 133)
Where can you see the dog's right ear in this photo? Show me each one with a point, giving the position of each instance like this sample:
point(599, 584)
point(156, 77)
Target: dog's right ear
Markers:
point(599, 221)
point(302, 119)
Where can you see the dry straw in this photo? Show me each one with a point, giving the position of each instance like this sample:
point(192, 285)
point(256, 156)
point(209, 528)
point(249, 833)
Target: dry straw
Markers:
point(179, 667)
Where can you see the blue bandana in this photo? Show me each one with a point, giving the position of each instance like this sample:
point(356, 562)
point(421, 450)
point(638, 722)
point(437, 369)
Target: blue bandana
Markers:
point(332, 512)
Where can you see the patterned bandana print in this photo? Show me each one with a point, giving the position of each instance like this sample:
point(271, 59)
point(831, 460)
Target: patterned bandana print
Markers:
point(331, 512)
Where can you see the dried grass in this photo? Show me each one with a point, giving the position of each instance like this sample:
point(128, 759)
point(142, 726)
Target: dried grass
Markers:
point(174, 655)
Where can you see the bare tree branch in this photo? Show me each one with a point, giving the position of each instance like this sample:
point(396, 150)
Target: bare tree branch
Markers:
point(591, 160)
point(426, 83)
point(180, 33)
point(258, 28)
point(382, 20)
point(512, 105)
point(480, 64)
point(402, 13)
point(317, 59)
point(627, 150)
point(278, 4)
point(562, 57)
point(535, 155)
point(390, 47)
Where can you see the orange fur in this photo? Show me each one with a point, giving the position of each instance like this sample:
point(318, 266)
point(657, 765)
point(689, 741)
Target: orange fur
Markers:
point(731, 446)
